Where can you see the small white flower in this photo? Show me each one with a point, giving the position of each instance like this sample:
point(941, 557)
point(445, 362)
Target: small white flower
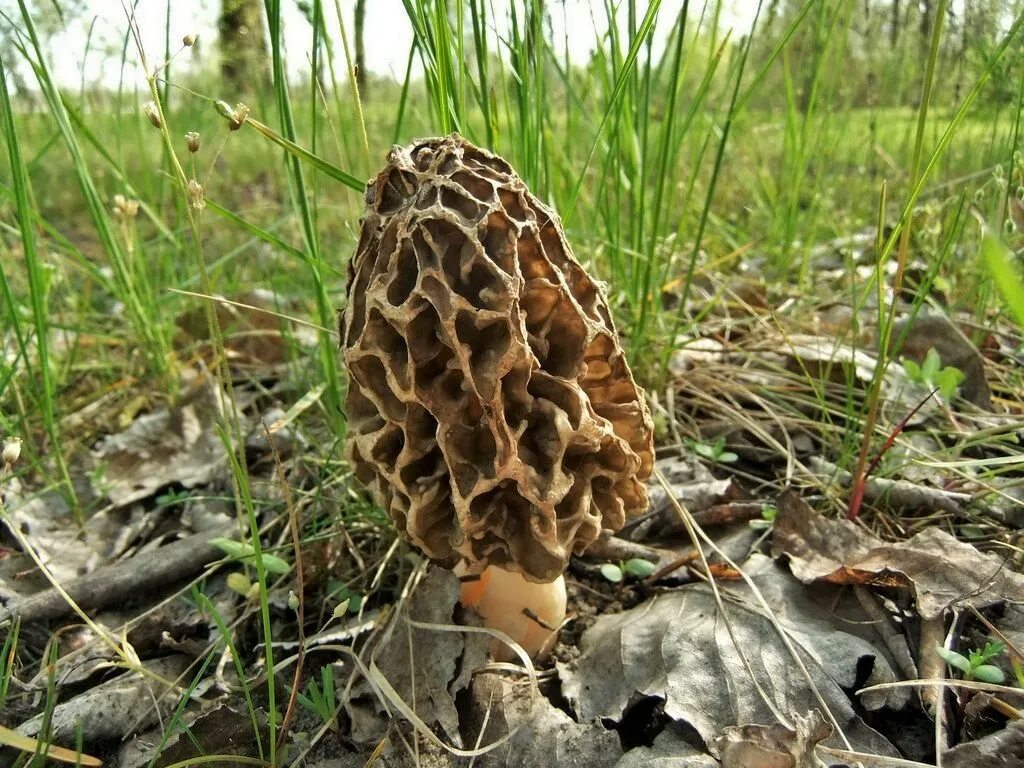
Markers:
point(152, 111)
point(238, 116)
point(12, 450)
point(196, 194)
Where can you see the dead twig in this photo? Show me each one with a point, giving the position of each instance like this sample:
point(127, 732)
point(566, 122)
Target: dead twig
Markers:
point(731, 512)
point(124, 580)
point(608, 546)
point(898, 493)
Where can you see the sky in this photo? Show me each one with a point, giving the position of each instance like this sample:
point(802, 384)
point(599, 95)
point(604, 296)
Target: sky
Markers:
point(88, 48)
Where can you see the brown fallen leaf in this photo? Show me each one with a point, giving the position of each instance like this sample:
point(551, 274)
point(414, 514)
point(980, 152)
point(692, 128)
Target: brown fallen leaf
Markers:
point(773, 746)
point(223, 730)
point(934, 567)
point(541, 734)
point(817, 546)
point(674, 647)
point(68, 550)
point(115, 709)
point(428, 667)
point(828, 357)
point(176, 445)
point(1005, 747)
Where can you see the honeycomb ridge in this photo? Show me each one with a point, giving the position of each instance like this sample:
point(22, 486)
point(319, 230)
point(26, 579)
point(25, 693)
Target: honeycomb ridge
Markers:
point(491, 409)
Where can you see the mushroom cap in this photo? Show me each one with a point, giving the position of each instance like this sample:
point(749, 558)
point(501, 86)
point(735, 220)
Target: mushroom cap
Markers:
point(491, 409)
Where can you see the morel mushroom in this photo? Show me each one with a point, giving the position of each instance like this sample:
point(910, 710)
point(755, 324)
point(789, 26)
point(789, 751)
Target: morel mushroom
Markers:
point(491, 410)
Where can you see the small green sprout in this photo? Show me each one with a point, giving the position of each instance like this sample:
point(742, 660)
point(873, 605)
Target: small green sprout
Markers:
point(715, 451)
point(171, 497)
point(321, 700)
point(636, 567)
point(932, 374)
point(975, 665)
point(768, 515)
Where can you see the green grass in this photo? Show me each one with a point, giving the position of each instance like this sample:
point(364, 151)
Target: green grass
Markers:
point(674, 167)
point(42, 390)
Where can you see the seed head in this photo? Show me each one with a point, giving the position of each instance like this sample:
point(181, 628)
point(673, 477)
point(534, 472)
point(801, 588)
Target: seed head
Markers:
point(12, 450)
point(189, 40)
point(125, 207)
point(152, 111)
point(196, 194)
point(192, 140)
point(238, 116)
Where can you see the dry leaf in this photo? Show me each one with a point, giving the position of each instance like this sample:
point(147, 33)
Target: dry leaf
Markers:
point(253, 328)
point(67, 550)
point(676, 647)
point(831, 359)
point(178, 445)
point(422, 665)
point(1005, 748)
point(544, 735)
point(773, 746)
point(669, 750)
point(220, 730)
point(936, 568)
point(113, 710)
point(930, 330)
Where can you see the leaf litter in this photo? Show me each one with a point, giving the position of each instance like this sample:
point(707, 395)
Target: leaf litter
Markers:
point(932, 566)
point(677, 648)
point(172, 445)
point(652, 671)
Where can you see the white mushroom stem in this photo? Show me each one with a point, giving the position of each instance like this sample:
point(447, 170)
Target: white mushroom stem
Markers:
point(528, 612)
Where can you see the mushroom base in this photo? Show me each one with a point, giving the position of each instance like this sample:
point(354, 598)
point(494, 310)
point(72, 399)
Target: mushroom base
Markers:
point(528, 612)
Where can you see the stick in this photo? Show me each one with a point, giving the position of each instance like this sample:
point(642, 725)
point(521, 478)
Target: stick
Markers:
point(122, 581)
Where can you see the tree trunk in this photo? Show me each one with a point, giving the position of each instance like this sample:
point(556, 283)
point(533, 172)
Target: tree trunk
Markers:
point(243, 47)
point(360, 19)
point(894, 24)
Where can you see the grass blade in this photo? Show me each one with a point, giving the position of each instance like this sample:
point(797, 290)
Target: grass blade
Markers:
point(38, 292)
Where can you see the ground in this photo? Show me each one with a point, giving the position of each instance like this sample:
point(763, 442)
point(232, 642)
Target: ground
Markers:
point(817, 289)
